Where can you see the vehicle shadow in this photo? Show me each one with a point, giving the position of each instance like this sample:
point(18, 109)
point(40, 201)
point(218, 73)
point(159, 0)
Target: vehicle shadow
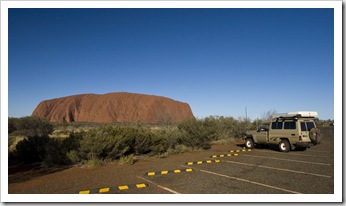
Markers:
point(264, 146)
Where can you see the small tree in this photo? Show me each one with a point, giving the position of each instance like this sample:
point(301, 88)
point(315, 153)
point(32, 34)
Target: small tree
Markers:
point(266, 116)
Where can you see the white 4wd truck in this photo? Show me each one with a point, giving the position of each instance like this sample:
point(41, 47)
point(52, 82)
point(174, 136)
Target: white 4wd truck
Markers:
point(290, 131)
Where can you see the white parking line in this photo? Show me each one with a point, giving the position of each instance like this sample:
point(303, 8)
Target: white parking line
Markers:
point(244, 180)
point(274, 168)
point(252, 182)
point(160, 186)
point(306, 155)
point(316, 163)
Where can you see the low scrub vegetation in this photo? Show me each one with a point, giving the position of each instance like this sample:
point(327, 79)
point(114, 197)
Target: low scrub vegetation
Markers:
point(104, 143)
point(29, 126)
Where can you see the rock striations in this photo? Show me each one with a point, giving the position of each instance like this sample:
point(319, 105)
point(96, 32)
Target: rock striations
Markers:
point(114, 107)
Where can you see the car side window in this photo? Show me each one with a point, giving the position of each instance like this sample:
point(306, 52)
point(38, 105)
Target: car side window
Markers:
point(276, 125)
point(290, 125)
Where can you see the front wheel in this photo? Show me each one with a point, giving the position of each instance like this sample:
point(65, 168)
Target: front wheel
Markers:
point(284, 146)
point(249, 143)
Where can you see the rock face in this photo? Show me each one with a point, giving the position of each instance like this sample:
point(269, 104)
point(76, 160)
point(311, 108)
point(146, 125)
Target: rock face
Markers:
point(114, 107)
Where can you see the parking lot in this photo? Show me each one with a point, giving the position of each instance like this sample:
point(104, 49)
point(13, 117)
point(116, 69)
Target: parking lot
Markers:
point(224, 169)
point(259, 171)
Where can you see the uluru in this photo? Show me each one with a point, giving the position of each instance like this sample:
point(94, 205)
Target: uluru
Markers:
point(114, 107)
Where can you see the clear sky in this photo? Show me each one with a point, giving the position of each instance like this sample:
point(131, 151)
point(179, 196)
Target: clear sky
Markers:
point(219, 61)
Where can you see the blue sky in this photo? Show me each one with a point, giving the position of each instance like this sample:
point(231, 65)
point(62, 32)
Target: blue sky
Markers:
point(217, 60)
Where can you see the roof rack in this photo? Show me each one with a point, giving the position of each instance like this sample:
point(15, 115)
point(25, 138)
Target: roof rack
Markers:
point(308, 114)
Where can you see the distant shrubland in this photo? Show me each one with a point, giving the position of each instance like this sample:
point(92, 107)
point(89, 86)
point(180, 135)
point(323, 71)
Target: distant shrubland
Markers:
point(100, 143)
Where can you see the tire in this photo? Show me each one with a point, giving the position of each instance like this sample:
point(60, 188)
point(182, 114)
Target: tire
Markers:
point(284, 146)
point(315, 135)
point(249, 144)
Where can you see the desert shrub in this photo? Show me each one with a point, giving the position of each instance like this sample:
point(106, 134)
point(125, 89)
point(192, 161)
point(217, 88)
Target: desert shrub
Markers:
point(171, 136)
point(158, 144)
point(109, 142)
point(55, 154)
point(179, 149)
point(128, 159)
point(63, 151)
point(115, 142)
point(32, 149)
point(41, 149)
point(141, 140)
point(103, 143)
point(94, 162)
point(29, 126)
point(241, 127)
point(72, 142)
point(227, 128)
point(197, 133)
point(73, 156)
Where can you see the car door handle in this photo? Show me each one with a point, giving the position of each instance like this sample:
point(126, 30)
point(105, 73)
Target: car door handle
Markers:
point(293, 134)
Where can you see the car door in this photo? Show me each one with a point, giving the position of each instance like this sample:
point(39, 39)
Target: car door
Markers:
point(262, 135)
point(304, 132)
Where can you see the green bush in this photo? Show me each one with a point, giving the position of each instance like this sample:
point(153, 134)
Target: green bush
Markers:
point(55, 153)
point(72, 142)
point(225, 127)
point(158, 144)
point(115, 142)
point(29, 126)
point(141, 140)
point(197, 133)
point(32, 149)
point(171, 136)
point(242, 126)
point(41, 149)
point(73, 156)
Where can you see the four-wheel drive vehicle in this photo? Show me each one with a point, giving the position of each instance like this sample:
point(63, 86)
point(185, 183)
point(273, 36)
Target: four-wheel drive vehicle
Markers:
point(291, 131)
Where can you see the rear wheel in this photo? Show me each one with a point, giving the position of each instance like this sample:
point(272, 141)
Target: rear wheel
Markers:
point(284, 146)
point(249, 143)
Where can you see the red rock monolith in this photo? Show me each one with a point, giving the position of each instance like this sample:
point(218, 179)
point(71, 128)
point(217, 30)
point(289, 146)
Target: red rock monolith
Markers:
point(114, 107)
